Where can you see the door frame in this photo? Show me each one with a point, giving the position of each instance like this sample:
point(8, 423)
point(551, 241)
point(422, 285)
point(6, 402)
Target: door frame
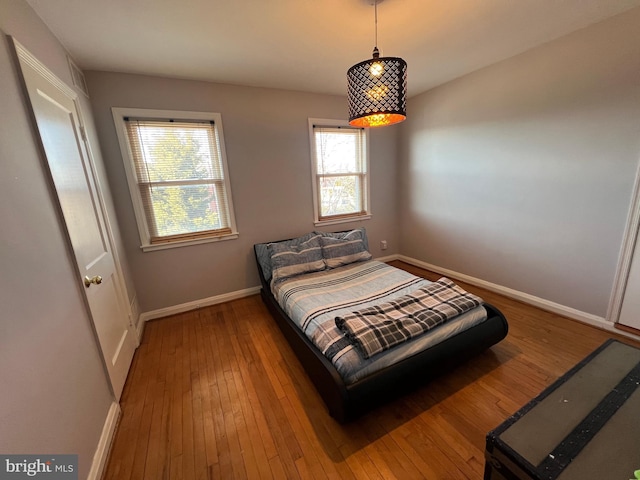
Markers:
point(22, 55)
point(629, 240)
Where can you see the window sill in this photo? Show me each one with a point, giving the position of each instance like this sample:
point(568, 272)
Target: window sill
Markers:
point(186, 243)
point(319, 223)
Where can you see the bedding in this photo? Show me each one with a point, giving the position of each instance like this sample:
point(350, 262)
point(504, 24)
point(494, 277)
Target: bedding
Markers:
point(292, 260)
point(305, 307)
point(263, 254)
point(343, 251)
point(313, 302)
point(381, 327)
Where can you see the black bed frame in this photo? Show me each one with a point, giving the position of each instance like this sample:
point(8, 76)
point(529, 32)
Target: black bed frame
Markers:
point(345, 402)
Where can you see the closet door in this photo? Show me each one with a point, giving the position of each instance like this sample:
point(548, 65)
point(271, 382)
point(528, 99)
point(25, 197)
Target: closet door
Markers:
point(624, 308)
point(630, 311)
point(58, 120)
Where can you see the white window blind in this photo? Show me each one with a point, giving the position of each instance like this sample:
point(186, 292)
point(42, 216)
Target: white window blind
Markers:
point(180, 176)
point(340, 172)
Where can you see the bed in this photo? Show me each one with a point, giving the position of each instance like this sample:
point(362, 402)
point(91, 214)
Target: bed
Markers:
point(322, 287)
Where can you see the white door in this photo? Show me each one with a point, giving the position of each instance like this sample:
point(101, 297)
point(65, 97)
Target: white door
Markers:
point(624, 307)
point(56, 112)
point(630, 310)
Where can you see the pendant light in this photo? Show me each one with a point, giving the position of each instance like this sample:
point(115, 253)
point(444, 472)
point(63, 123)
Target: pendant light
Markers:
point(377, 88)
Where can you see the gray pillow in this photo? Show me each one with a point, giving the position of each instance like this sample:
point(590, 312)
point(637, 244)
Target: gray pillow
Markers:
point(343, 251)
point(344, 234)
point(264, 255)
point(291, 260)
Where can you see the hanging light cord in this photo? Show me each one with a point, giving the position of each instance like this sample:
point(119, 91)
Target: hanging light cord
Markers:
point(376, 52)
point(375, 9)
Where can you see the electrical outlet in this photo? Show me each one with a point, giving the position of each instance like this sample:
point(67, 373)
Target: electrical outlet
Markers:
point(383, 244)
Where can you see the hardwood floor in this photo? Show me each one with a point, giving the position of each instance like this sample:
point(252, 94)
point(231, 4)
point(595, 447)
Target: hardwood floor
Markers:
point(218, 393)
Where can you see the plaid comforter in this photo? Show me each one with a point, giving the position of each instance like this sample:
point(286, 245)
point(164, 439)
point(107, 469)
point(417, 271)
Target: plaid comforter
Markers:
point(314, 300)
point(378, 328)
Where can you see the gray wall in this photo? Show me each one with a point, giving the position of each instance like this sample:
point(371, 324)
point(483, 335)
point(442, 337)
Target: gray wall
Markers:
point(521, 173)
point(267, 145)
point(55, 396)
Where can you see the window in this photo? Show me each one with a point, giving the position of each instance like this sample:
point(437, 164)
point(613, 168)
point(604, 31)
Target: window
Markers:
point(339, 164)
point(177, 173)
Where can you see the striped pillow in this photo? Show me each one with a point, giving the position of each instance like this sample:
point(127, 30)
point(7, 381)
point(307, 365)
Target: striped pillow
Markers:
point(343, 251)
point(290, 260)
point(344, 234)
point(264, 254)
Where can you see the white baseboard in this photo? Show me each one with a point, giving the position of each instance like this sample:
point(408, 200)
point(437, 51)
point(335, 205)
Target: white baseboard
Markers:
point(205, 302)
point(547, 305)
point(104, 445)
point(140, 329)
point(388, 258)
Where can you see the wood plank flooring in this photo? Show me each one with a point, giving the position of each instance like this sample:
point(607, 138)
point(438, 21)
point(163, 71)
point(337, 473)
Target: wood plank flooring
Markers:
point(217, 393)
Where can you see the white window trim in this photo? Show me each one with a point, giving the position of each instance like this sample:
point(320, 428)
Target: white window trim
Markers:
point(325, 122)
point(119, 115)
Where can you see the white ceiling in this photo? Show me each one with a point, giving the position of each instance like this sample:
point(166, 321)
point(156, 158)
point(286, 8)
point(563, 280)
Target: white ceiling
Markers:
point(308, 45)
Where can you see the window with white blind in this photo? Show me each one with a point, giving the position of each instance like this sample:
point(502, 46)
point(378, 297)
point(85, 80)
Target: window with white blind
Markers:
point(340, 161)
point(177, 173)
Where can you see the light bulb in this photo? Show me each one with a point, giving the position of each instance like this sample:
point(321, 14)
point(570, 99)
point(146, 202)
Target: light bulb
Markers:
point(376, 69)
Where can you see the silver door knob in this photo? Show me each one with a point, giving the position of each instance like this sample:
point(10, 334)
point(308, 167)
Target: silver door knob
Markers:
point(88, 281)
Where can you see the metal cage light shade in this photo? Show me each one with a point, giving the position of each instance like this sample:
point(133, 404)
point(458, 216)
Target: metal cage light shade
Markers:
point(377, 88)
point(377, 91)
